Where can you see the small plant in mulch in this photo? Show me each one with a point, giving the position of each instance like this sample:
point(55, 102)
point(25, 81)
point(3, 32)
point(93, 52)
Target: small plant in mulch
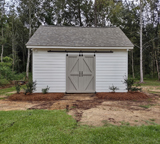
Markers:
point(17, 86)
point(45, 91)
point(31, 87)
point(130, 85)
point(113, 88)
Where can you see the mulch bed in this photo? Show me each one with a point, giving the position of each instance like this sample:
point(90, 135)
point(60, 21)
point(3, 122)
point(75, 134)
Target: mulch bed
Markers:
point(36, 97)
point(122, 96)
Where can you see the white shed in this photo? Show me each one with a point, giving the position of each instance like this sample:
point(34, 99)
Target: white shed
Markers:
point(79, 60)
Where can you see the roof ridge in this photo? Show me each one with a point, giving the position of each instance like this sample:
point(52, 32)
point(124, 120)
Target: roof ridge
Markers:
point(76, 26)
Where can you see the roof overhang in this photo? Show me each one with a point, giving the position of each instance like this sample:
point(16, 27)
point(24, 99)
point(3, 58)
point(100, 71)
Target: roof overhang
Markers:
point(77, 48)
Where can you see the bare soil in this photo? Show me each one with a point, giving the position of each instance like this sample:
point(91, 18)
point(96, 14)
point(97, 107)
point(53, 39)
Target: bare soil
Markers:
point(91, 109)
point(36, 97)
point(6, 105)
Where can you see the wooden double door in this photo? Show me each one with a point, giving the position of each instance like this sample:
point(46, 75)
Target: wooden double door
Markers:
point(80, 74)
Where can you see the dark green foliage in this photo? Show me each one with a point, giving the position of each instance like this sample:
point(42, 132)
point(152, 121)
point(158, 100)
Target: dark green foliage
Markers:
point(113, 88)
point(45, 91)
point(124, 14)
point(130, 85)
point(30, 87)
point(6, 70)
point(18, 87)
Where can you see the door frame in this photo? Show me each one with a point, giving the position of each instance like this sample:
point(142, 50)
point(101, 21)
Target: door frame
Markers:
point(78, 54)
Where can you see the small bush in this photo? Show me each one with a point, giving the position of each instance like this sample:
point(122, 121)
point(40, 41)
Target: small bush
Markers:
point(20, 76)
point(113, 88)
point(45, 91)
point(31, 86)
point(18, 87)
point(130, 82)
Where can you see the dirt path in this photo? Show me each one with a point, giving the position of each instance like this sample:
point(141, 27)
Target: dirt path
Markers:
point(5, 95)
point(6, 105)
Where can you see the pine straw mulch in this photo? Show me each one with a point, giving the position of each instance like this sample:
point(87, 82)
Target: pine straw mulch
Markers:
point(122, 96)
point(36, 97)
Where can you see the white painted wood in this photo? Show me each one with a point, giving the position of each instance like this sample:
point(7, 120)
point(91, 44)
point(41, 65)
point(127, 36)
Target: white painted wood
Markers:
point(111, 69)
point(49, 69)
point(92, 48)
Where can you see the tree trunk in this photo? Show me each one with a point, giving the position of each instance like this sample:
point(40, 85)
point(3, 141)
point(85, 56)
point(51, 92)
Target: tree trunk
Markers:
point(133, 66)
point(156, 60)
point(79, 14)
point(2, 33)
point(28, 61)
point(141, 55)
point(2, 46)
point(2, 53)
point(95, 13)
point(28, 58)
point(157, 69)
point(13, 63)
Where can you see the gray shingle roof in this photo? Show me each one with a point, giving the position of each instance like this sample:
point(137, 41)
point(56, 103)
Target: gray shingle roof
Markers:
point(79, 37)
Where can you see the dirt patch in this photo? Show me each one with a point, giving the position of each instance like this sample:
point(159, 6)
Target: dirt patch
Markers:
point(36, 97)
point(122, 113)
point(122, 96)
point(137, 111)
point(86, 104)
point(88, 109)
point(43, 105)
point(6, 105)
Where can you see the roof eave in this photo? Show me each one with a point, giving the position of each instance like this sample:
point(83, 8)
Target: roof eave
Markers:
point(67, 47)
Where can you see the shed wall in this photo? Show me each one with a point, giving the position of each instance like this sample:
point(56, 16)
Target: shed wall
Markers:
point(50, 69)
point(111, 69)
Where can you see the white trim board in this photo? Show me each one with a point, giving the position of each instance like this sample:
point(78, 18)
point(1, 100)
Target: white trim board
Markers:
point(74, 48)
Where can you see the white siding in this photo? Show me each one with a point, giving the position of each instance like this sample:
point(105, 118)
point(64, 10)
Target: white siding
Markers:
point(111, 69)
point(49, 69)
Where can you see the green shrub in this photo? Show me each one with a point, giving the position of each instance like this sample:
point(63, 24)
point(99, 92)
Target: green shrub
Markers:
point(31, 86)
point(45, 91)
point(18, 87)
point(6, 69)
point(20, 76)
point(130, 85)
point(113, 88)
point(7, 73)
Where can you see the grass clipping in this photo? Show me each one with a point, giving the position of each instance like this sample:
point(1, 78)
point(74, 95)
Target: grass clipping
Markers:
point(36, 97)
point(122, 96)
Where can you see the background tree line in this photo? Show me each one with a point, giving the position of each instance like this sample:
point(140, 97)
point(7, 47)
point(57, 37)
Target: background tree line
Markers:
point(19, 19)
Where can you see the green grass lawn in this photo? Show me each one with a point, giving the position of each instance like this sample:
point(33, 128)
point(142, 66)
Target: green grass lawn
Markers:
point(6, 90)
point(150, 83)
point(56, 127)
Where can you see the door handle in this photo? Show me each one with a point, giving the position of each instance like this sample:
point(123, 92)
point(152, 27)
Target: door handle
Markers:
point(80, 73)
